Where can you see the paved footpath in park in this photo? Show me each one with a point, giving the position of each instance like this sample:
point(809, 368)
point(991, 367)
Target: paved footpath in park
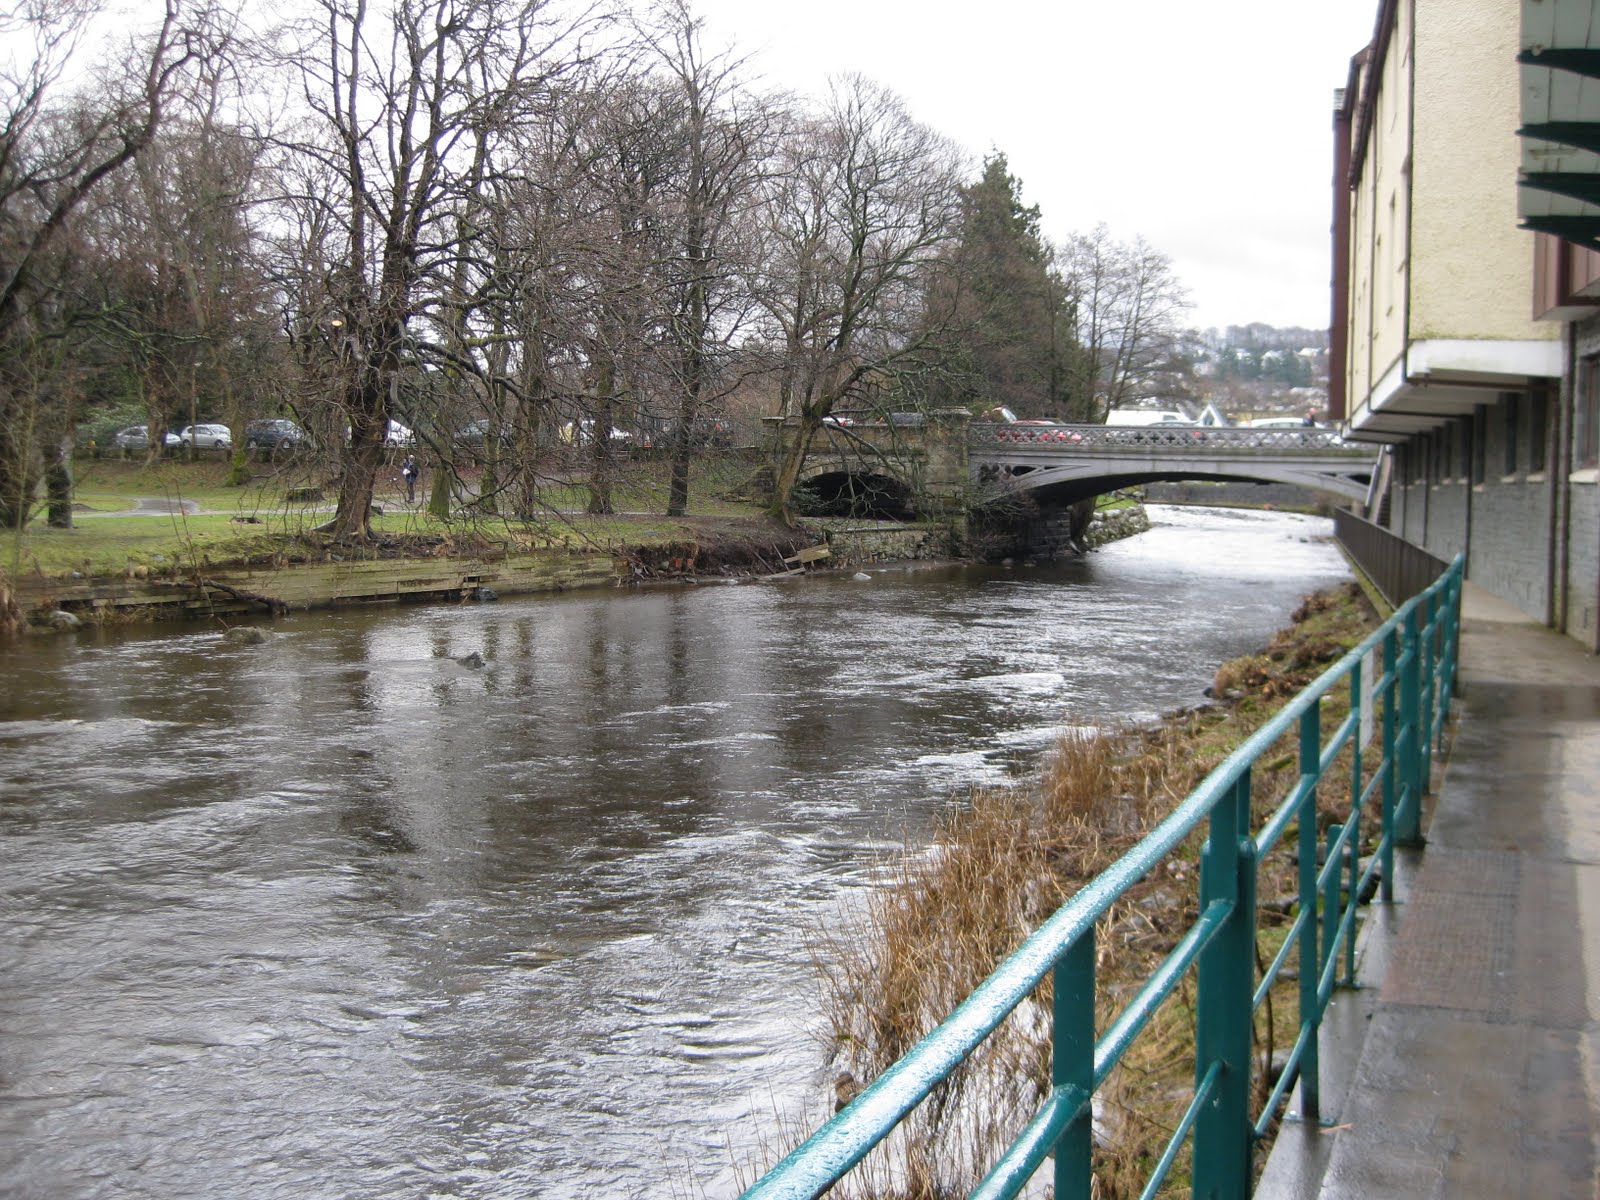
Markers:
point(1471, 1053)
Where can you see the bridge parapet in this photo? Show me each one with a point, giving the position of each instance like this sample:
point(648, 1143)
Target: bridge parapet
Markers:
point(926, 453)
point(1187, 438)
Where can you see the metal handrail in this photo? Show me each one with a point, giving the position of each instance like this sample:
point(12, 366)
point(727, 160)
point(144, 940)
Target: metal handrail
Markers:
point(1400, 680)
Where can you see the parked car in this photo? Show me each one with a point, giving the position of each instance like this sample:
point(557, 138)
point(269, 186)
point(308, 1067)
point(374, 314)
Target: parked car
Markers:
point(206, 437)
point(1035, 430)
point(581, 432)
point(399, 435)
point(137, 437)
point(1146, 416)
point(274, 435)
point(704, 431)
point(473, 437)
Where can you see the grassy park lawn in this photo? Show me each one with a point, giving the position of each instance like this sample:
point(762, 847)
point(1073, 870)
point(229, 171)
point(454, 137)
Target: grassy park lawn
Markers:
point(255, 520)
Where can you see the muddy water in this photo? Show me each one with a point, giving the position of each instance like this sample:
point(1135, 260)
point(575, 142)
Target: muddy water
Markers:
point(338, 916)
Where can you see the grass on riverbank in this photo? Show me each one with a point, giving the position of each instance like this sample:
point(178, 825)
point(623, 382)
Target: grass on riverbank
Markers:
point(238, 523)
point(1003, 862)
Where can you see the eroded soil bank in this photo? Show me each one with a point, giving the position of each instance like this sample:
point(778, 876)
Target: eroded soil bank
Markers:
point(301, 572)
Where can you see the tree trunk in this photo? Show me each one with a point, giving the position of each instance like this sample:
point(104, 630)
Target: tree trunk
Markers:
point(788, 476)
point(683, 432)
point(439, 496)
point(17, 477)
point(58, 484)
point(352, 520)
point(601, 448)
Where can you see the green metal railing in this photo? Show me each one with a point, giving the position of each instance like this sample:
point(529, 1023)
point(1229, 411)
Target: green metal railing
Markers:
point(1400, 680)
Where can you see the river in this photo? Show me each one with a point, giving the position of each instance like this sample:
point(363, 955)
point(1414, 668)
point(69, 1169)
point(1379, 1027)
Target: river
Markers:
point(340, 916)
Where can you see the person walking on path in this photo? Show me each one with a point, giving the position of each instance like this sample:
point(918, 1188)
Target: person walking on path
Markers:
point(409, 470)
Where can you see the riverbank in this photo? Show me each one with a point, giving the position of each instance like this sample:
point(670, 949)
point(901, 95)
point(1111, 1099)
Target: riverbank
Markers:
point(299, 572)
point(276, 571)
point(1002, 862)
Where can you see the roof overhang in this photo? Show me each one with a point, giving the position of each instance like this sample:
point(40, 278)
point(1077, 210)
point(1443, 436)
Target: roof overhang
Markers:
point(1559, 183)
point(1442, 378)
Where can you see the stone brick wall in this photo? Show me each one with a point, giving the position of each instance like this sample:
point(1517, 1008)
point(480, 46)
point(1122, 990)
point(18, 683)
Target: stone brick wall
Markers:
point(1583, 565)
point(1234, 495)
point(1581, 554)
point(1469, 500)
point(855, 545)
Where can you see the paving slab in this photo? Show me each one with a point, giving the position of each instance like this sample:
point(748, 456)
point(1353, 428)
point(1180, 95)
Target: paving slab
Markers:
point(1474, 1033)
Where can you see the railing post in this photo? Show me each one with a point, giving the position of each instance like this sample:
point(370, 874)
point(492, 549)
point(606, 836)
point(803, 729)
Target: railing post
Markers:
point(1408, 831)
point(1391, 767)
point(1352, 895)
point(1330, 901)
point(1226, 988)
point(1428, 644)
point(1072, 1063)
point(1310, 1009)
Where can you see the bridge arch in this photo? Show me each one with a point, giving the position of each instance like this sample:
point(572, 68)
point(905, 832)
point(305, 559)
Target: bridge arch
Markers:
point(1073, 462)
point(1072, 482)
point(837, 490)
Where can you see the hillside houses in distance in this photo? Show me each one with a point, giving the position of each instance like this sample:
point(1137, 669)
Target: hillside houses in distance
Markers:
point(1248, 371)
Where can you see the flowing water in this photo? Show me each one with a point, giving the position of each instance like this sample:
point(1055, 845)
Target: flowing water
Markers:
point(338, 916)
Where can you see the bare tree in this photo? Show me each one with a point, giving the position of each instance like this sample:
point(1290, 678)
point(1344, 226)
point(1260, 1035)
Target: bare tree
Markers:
point(1127, 307)
point(400, 106)
point(53, 155)
point(863, 200)
point(723, 146)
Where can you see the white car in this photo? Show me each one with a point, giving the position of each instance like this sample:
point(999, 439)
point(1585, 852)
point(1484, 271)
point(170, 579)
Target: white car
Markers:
point(1282, 423)
point(206, 437)
point(399, 435)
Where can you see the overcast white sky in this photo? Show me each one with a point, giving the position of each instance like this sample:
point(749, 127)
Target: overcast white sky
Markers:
point(1203, 127)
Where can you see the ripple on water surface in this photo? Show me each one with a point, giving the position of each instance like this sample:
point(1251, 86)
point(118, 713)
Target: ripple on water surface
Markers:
point(339, 916)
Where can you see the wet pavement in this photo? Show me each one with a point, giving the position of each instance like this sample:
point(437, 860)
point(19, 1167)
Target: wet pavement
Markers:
point(1475, 1036)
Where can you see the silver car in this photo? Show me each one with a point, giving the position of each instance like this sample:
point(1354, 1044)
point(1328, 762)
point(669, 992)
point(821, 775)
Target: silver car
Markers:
point(206, 437)
point(137, 437)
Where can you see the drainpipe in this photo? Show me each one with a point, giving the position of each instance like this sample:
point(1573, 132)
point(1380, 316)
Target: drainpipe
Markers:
point(1560, 471)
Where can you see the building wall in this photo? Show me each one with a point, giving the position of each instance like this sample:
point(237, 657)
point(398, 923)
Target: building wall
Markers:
point(1379, 204)
point(1472, 268)
point(1388, 200)
point(1581, 607)
point(1512, 544)
point(1434, 249)
point(1504, 518)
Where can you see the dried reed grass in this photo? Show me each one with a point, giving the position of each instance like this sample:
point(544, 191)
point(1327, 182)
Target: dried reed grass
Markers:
point(999, 865)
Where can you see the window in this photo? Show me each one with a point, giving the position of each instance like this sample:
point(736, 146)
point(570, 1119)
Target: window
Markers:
point(1586, 416)
point(1538, 430)
point(1512, 413)
point(1478, 430)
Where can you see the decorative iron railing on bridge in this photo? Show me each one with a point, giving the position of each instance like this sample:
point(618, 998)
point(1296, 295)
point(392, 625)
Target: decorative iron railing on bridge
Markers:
point(1398, 682)
point(1147, 437)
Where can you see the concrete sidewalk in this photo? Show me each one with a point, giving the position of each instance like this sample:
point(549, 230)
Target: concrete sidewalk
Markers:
point(1468, 1064)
